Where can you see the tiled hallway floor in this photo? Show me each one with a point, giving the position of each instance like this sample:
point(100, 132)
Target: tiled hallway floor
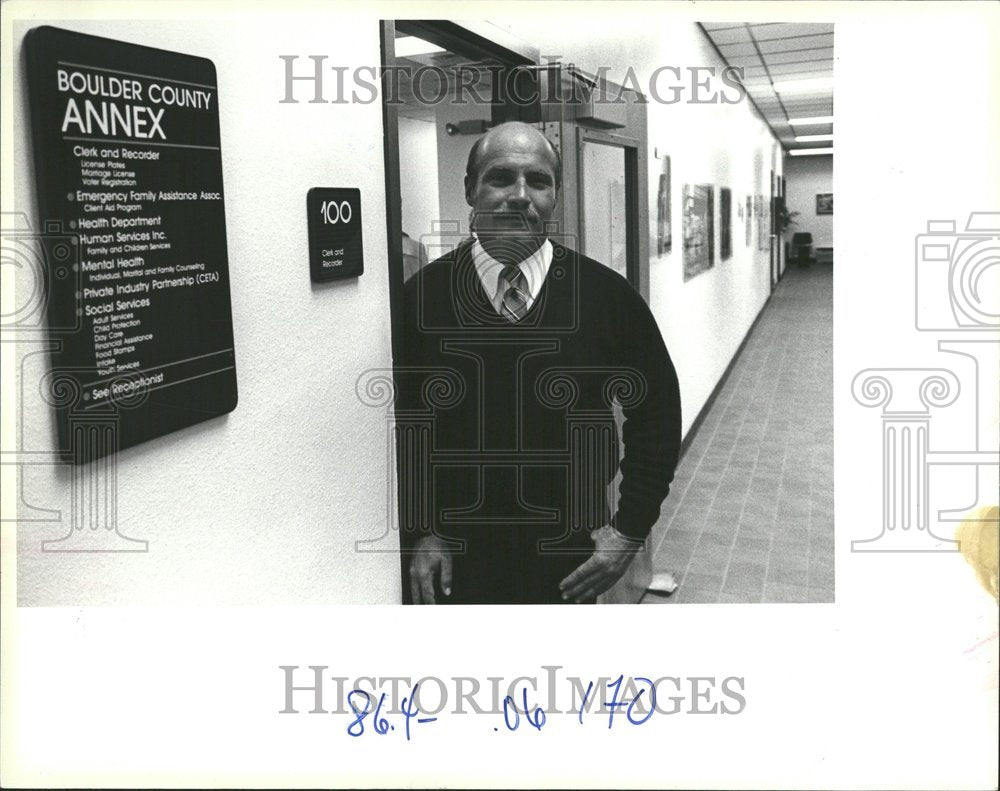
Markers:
point(750, 513)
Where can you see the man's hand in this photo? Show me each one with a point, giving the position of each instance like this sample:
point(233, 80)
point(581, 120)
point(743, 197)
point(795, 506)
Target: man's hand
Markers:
point(603, 569)
point(431, 558)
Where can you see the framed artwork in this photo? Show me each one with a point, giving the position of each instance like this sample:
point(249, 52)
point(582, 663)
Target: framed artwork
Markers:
point(699, 229)
point(725, 223)
point(664, 234)
point(758, 209)
point(748, 217)
point(824, 203)
point(763, 220)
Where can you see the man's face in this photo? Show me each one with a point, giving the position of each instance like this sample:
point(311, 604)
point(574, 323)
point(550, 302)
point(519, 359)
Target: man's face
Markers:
point(515, 190)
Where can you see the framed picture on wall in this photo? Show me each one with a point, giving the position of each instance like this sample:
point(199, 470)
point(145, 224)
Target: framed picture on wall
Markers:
point(824, 203)
point(725, 223)
point(699, 229)
point(748, 217)
point(664, 233)
point(760, 210)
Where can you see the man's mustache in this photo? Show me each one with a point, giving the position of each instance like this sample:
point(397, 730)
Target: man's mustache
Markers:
point(502, 221)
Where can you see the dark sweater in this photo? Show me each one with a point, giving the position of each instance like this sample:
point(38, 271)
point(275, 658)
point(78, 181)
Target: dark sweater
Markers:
point(507, 440)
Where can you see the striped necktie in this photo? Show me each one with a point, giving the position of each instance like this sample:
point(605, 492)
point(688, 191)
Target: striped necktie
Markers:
point(515, 294)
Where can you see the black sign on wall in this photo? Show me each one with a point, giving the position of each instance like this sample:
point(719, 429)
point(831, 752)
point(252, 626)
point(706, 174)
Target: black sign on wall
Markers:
point(129, 171)
point(335, 245)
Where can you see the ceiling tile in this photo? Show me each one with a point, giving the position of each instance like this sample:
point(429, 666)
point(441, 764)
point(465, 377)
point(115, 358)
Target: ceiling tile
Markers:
point(826, 104)
point(738, 50)
point(772, 31)
point(809, 71)
point(730, 36)
point(744, 60)
point(813, 129)
point(808, 56)
point(798, 42)
point(809, 111)
point(721, 25)
point(782, 72)
point(808, 129)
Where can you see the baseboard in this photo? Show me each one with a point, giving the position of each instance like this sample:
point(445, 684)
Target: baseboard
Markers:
point(693, 431)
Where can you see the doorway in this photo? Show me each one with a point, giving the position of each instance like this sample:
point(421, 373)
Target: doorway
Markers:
point(773, 247)
point(443, 85)
point(608, 216)
point(599, 130)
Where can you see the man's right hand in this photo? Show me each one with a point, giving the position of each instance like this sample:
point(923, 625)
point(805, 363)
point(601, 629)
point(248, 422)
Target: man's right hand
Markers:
point(431, 557)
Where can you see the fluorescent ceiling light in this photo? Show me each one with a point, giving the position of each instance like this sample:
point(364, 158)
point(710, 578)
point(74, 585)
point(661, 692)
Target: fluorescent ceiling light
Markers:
point(408, 46)
point(819, 119)
point(812, 138)
point(805, 152)
point(804, 86)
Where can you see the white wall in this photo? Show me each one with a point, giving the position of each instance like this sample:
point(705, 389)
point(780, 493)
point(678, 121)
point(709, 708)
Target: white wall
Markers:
point(704, 320)
point(432, 176)
point(418, 149)
point(806, 178)
point(264, 505)
point(453, 155)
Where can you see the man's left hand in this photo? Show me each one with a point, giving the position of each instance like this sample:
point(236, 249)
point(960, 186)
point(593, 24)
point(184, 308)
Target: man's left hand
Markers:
point(603, 569)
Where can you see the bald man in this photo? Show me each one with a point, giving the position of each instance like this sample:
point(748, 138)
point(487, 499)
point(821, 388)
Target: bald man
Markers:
point(515, 349)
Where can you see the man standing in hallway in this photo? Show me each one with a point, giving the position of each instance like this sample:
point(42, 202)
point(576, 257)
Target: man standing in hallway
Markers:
point(505, 500)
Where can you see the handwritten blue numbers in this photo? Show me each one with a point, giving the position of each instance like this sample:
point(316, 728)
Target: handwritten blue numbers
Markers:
point(508, 704)
point(380, 724)
point(635, 709)
point(357, 727)
point(536, 718)
point(614, 704)
point(410, 711)
point(635, 700)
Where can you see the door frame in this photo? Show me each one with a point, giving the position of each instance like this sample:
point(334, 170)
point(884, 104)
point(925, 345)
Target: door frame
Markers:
point(468, 40)
point(772, 204)
point(630, 146)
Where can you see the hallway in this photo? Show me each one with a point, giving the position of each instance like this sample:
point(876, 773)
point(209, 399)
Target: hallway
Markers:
point(750, 513)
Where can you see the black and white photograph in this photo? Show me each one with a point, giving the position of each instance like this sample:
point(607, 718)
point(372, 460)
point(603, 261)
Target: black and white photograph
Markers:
point(343, 344)
point(725, 223)
point(664, 229)
point(699, 229)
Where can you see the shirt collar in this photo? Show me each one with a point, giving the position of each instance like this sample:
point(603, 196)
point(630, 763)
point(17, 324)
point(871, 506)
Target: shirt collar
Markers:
point(534, 268)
